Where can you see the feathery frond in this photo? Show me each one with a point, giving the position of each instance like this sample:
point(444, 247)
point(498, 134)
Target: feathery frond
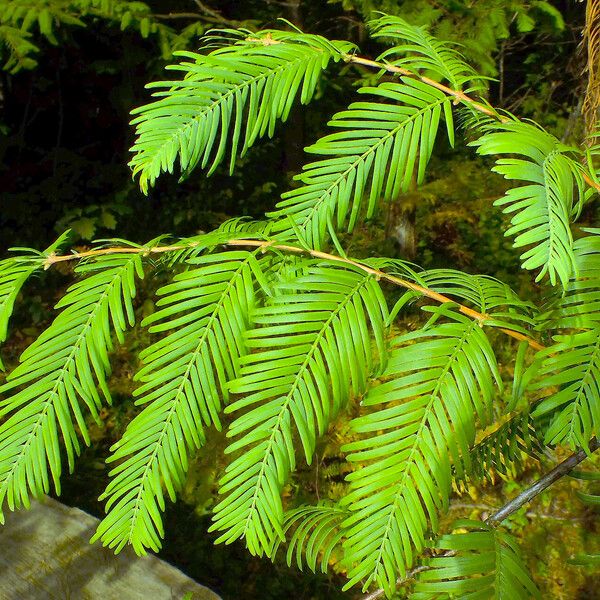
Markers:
point(376, 153)
point(543, 208)
point(206, 310)
point(420, 52)
point(503, 452)
point(317, 533)
point(63, 366)
point(229, 97)
point(311, 351)
point(14, 272)
point(438, 381)
point(572, 365)
point(484, 562)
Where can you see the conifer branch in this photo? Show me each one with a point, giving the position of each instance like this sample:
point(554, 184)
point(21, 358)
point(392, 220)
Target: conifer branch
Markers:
point(270, 245)
point(259, 321)
point(458, 95)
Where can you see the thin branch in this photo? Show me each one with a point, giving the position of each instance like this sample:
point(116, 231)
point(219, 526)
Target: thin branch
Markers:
point(564, 468)
point(52, 258)
point(457, 94)
point(181, 15)
point(270, 245)
point(214, 14)
point(541, 484)
point(206, 14)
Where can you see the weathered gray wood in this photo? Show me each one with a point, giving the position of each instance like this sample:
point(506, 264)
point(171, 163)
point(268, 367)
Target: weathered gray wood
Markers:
point(45, 554)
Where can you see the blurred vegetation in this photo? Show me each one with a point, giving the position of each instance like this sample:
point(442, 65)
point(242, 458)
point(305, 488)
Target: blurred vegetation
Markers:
point(71, 76)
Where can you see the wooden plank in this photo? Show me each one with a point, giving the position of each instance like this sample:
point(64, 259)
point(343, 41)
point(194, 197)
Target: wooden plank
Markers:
point(45, 554)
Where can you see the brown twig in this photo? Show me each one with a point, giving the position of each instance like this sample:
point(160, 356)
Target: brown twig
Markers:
point(270, 245)
point(206, 14)
point(52, 259)
point(181, 15)
point(458, 95)
point(215, 14)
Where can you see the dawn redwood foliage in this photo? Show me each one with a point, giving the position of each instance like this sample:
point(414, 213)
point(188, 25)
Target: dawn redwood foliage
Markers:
point(271, 322)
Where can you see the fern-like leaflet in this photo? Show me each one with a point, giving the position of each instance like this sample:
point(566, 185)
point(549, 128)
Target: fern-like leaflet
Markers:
point(14, 272)
point(437, 382)
point(486, 294)
point(316, 533)
point(206, 310)
point(312, 350)
point(227, 98)
point(572, 364)
point(64, 365)
point(551, 198)
point(503, 452)
point(420, 52)
point(591, 498)
point(477, 562)
point(578, 307)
